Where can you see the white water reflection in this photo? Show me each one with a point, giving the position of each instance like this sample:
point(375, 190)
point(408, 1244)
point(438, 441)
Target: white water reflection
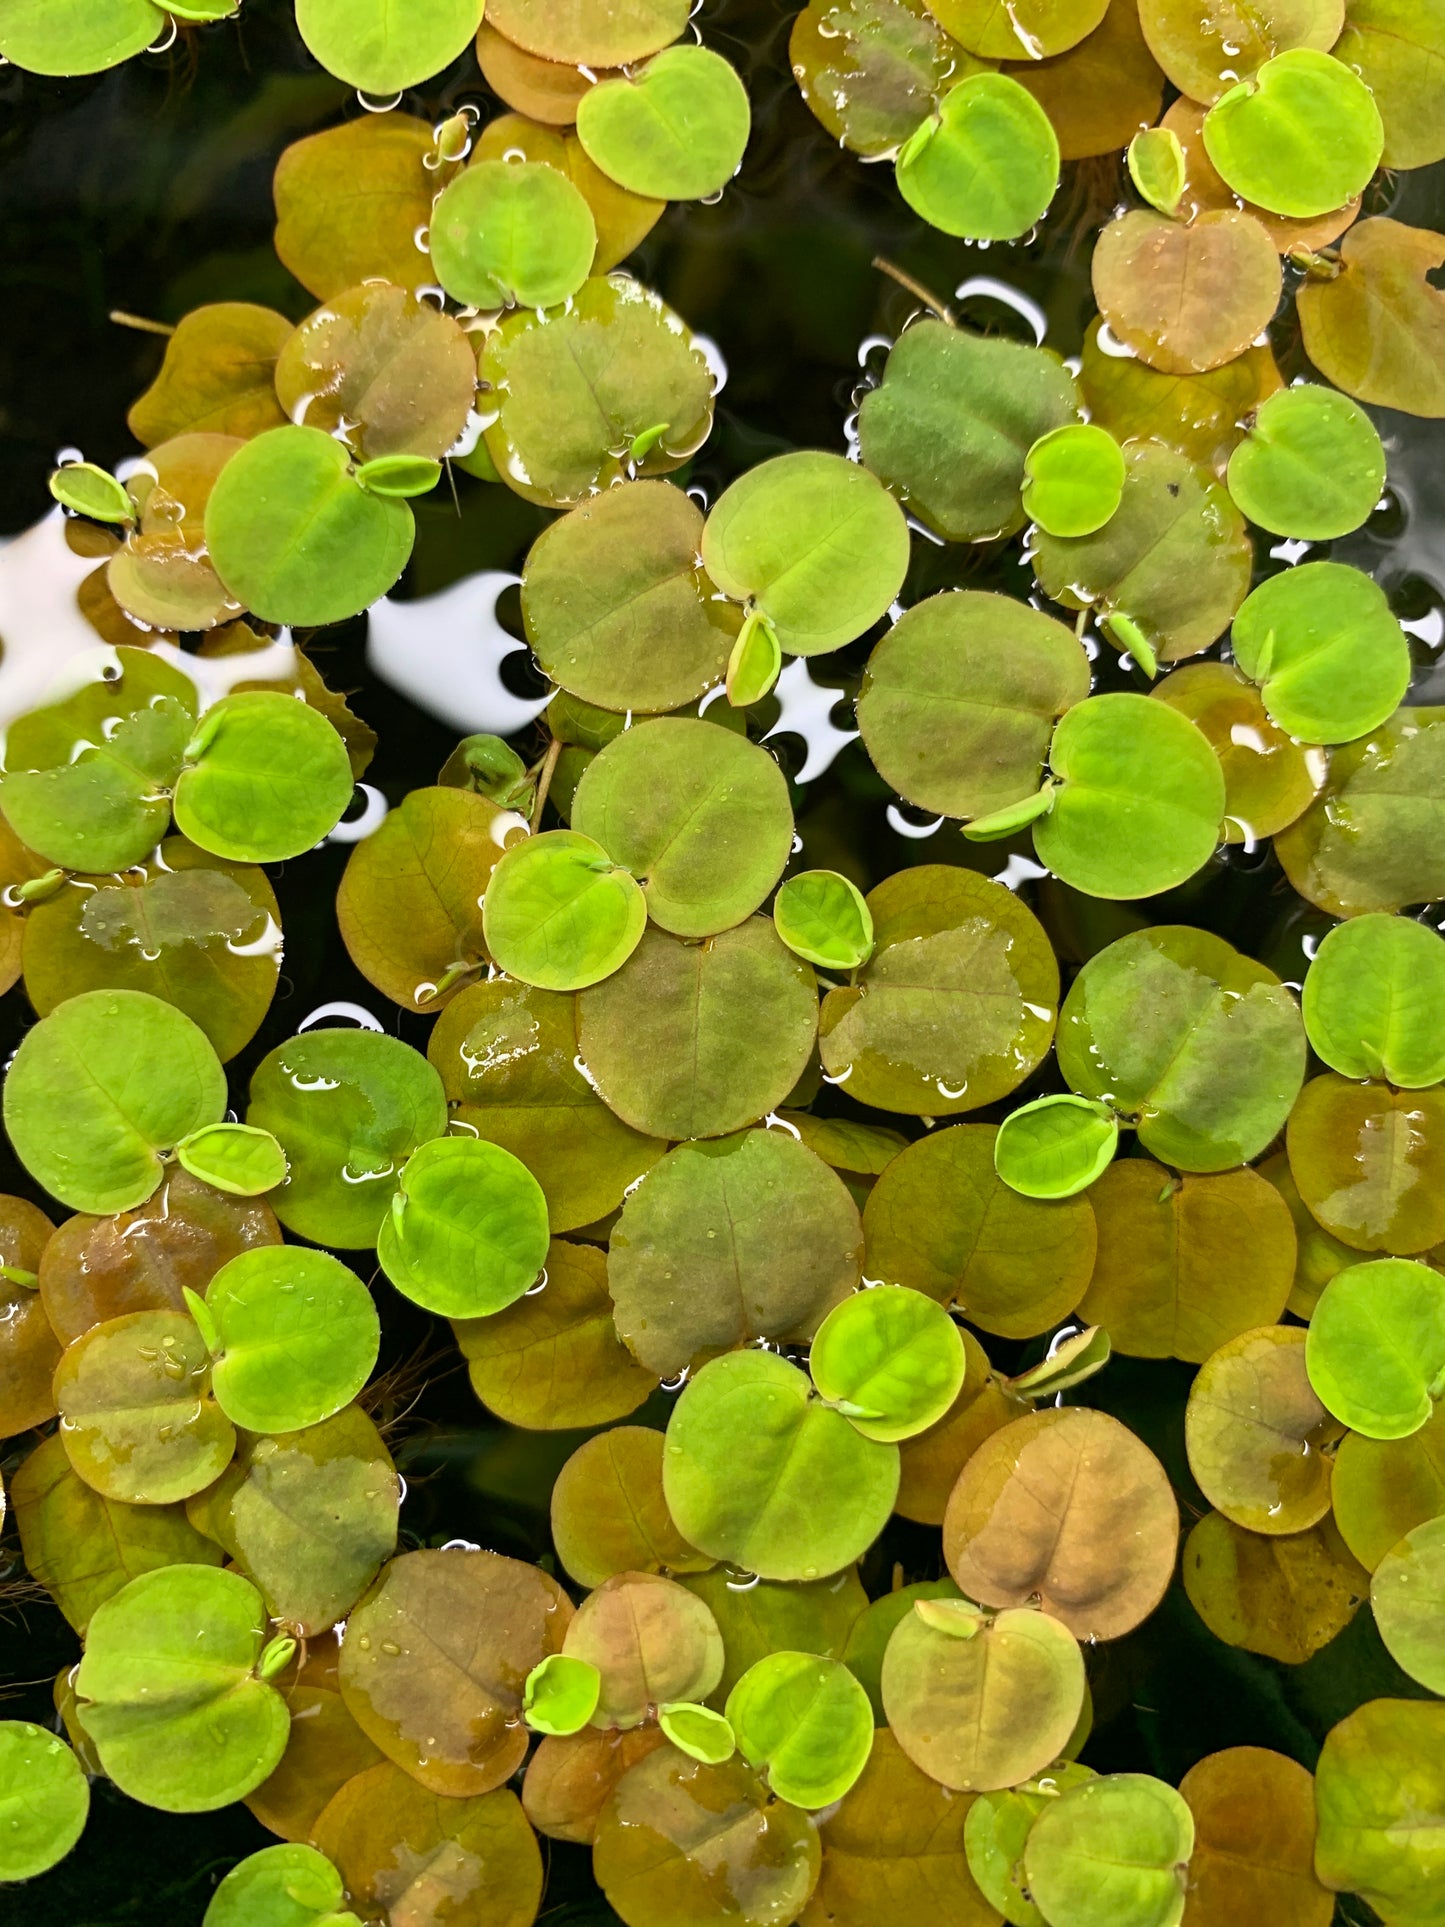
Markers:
point(807, 712)
point(444, 652)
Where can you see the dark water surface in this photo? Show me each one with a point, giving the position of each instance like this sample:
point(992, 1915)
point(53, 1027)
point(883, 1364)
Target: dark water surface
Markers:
point(148, 190)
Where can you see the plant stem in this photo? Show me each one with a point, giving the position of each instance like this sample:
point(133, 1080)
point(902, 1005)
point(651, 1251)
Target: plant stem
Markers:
point(140, 323)
point(915, 288)
point(544, 782)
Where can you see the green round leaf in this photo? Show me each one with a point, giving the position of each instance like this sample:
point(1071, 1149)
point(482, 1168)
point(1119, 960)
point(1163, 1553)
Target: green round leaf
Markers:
point(170, 1694)
point(561, 1694)
point(824, 918)
point(1381, 1769)
point(295, 1337)
point(947, 940)
point(890, 1359)
point(981, 1702)
point(949, 425)
point(512, 234)
point(1371, 1001)
point(1301, 137)
point(102, 1090)
point(805, 1722)
point(1311, 465)
point(383, 52)
point(674, 130)
point(287, 1886)
point(1173, 560)
point(1395, 49)
point(88, 777)
point(1139, 802)
point(985, 165)
point(348, 1107)
point(1113, 1852)
point(748, 1450)
point(44, 1800)
point(1203, 1048)
point(467, 1231)
point(1408, 1597)
point(307, 1516)
point(93, 492)
point(234, 1157)
point(77, 36)
point(765, 1234)
point(1055, 1146)
point(698, 1732)
point(814, 542)
point(560, 913)
point(1376, 1346)
point(1157, 167)
point(570, 393)
point(1330, 658)
point(697, 1040)
point(1073, 479)
point(699, 815)
point(294, 537)
point(617, 609)
point(960, 698)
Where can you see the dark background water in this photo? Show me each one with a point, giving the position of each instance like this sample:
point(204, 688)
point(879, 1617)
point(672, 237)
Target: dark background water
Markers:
point(148, 190)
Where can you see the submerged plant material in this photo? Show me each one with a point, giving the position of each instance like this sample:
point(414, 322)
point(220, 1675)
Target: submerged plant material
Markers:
point(804, 1248)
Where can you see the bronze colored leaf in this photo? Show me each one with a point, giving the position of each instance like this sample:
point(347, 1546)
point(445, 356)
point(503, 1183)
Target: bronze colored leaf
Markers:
point(553, 1359)
point(325, 1747)
point(29, 1348)
point(1384, 1488)
point(570, 1779)
point(1186, 298)
point(652, 1641)
point(218, 376)
point(608, 1512)
point(351, 201)
point(1066, 1509)
point(1101, 92)
point(941, 1220)
point(435, 1659)
point(1370, 1162)
point(1377, 329)
point(1185, 1263)
point(547, 90)
point(1254, 1842)
point(1258, 1438)
point(931, 1461)
point(1283, 1595)
point(1200, 415)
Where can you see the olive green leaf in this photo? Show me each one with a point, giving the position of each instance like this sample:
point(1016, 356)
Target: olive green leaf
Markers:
point(675, 129)
point(467, 1231)
point(1257, 1434)
point(1056, 1145)
point(173, 1689)
point(348, 1108)
point(960, 698)
point(102, 1090)
point(1202, 1047)
point(609, 1514)
point(814, 542)
point(766, 1235)
point(512, 234)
